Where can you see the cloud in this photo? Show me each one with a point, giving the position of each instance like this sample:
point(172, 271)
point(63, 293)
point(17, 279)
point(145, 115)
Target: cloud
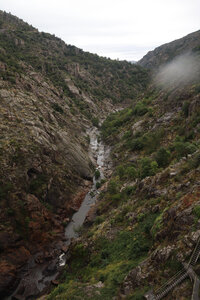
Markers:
point(182, 70)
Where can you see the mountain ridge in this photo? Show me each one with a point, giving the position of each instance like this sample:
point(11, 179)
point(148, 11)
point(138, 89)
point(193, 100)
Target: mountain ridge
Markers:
point(164, 53)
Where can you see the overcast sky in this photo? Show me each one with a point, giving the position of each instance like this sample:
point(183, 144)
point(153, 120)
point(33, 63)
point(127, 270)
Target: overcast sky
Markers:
point(124, 29)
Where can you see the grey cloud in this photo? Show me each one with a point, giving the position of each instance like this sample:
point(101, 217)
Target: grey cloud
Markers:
point(182, 70)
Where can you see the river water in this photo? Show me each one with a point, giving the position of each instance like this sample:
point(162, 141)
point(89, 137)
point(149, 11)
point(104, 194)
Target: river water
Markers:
point(36, 278)
point(99, 153)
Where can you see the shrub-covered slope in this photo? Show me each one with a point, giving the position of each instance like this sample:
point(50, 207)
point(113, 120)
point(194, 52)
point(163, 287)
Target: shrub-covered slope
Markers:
point(147, 218)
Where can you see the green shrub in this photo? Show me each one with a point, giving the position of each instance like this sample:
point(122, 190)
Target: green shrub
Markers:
point(116, 197)
point(97, 174)
point(57, 108)
point(140, 217)
point(137, 144)
point(183, 148)
point(185, 108)
point(195, 161)
point(140, 109)
point(162, 157)
point(113, 186)
point(147, 167)
point(98, 185)
point(131, 173)
point(98, 220)
point(95, 121)
point(121, 171)
point(196, 211)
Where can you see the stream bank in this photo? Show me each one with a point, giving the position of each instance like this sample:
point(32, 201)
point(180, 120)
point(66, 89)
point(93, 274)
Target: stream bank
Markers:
point(43, 269)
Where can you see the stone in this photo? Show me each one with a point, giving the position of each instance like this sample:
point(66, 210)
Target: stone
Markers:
point(99, 285)
point(161, 255)
point(65, 248)
point(55, 282)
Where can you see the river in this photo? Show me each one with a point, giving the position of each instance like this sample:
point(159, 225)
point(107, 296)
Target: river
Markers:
point(36, 278)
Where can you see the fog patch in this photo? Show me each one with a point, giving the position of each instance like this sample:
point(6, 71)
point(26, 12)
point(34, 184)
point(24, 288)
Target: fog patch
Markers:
point(182, 70)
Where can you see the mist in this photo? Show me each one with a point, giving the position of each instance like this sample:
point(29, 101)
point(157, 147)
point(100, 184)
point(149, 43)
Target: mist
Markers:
point(182, 70)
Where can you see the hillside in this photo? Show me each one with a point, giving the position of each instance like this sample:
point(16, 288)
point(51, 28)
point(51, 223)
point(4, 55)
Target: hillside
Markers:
point(147, 221)
point(165, 53)
point(50, 95)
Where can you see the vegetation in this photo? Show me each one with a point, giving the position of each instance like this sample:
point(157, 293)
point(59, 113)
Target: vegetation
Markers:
point(97, 174)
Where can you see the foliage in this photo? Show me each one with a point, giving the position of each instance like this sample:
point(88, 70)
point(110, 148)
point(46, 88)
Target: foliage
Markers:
point(162, 157)
point(196, 211)
point(148, 167)
point(113, 186)
point(97, 174)
point(115, 121)
point(140, 109)
point(131, 172)
point(57, 108)
point(149, 141)
point(183, 148)
point(95, 121)
point(98, 185)
point(185, 108)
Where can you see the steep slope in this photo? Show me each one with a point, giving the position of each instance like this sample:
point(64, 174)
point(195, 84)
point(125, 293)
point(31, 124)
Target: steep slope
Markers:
point(147, 221)
point(50, 94)
point(165, 53)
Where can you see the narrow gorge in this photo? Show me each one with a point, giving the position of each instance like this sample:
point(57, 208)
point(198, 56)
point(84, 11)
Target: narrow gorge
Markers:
point(43, 270)
point(99, 169)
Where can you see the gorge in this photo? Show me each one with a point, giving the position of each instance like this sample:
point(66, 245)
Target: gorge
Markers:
point(67, 116)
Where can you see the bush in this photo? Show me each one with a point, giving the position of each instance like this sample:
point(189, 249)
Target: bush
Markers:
point(185, 108)
point(113, 187)
point(97, 174)
point(147, 167)
point(121, 171)
point(137, 144)
point(196, 211)
point(57, 108)
point(162, 157)
point(98, 185)
point(140, 109)
point(131, 173)
point(183, 148)
point(95, 121)
point(195, 161)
